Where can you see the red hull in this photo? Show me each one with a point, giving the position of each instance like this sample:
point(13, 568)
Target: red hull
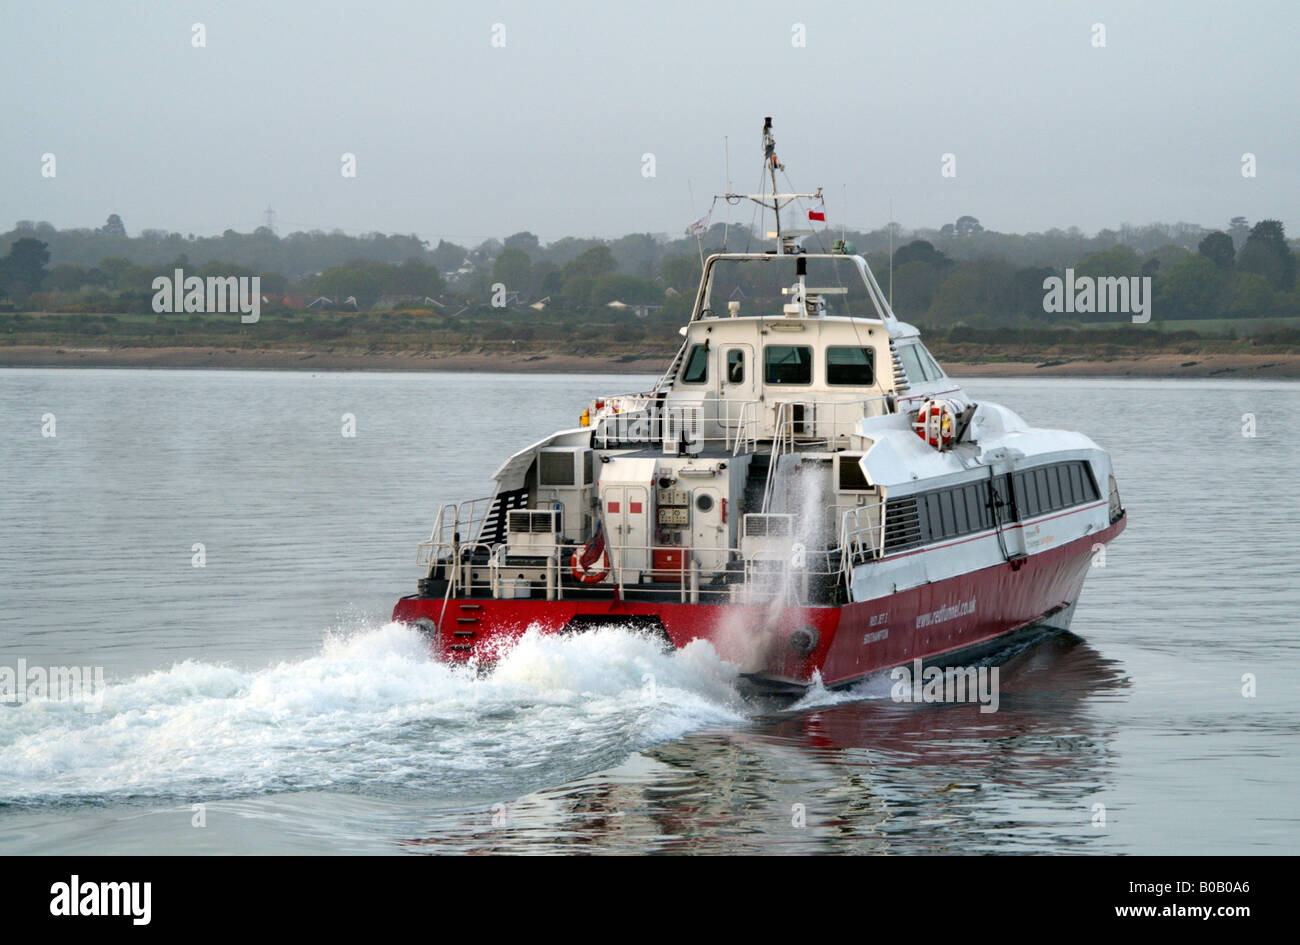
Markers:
point(850, 642)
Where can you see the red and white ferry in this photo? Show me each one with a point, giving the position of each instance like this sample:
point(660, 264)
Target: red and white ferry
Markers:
point(805, 488)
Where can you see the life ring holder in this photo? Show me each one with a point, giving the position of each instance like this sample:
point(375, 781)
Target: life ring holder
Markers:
point(590, 576)
point(936, 424)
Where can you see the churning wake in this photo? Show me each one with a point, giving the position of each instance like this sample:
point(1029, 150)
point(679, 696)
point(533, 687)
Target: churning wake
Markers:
point(372, 711)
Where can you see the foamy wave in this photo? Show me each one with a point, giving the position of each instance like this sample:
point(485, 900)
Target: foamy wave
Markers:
point(817, 696)
point(373, 708)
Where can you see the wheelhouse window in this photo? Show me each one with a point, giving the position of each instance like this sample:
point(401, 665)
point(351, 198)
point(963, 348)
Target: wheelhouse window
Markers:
point(918, 364)
point(697, 365)
point(787, 364)
point(736, 366)
point(851, 366)
point(932, 369)
point(911, 364)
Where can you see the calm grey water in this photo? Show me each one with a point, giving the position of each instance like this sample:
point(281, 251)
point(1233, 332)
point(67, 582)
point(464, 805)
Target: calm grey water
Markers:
point(269, 687)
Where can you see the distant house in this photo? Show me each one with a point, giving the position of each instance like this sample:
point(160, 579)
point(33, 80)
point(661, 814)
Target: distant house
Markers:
point(288, 301)
point(327, 303)
point(639, 309)
point(414, 301)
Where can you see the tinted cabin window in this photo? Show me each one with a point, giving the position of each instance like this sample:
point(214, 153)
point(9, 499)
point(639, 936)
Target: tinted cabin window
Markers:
point(932, 370)
point(911, 364)
point(852, 367)
point(949, 516)
point(944, 514)
point(1090, 491)
point(1047, 485)
point(1076, 482)
point(735, 366)
point(1001, 501)
point(961, 512)
point(787, 364)
point(852, 479)
point(697, 365)
point(557, 469)
point(1050, 488)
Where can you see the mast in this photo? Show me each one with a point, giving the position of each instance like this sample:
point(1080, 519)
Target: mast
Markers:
point(771, 165)
point(769, 158)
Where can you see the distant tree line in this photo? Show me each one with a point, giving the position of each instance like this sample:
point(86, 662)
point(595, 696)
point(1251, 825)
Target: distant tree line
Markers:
point(961, 273)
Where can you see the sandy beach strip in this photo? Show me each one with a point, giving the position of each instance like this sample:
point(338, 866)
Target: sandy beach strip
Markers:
point(1160, 365)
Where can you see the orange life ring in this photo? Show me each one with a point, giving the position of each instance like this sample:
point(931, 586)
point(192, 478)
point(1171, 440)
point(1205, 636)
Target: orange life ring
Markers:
point(590, 577)
point(935, 423)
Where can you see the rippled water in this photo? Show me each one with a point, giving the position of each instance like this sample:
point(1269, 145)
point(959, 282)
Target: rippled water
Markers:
point(269, 686)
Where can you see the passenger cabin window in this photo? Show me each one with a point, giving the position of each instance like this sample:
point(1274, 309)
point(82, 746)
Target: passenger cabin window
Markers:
point(735, 366)
point(945, 514)
point(787, 364)
point(697, 365)
point(851, 367)
point(1051, 488)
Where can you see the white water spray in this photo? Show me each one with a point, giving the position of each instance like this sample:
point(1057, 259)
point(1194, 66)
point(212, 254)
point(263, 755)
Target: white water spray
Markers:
point(373, 710)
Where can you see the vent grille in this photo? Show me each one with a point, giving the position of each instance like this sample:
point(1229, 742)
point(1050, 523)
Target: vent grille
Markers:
point(900, 376)
point(902, 524)
point(557, 469)
point(768, 526)
point(532, 522)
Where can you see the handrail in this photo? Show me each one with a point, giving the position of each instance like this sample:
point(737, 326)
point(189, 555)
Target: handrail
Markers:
point(643, 418)
point(785, 436)
point(863, 542)
point(778, 447)
point(860, 539)
point(646, 417)
point(466, 519)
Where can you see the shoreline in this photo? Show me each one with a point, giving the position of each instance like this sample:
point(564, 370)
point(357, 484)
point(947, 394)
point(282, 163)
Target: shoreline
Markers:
point(1159, 365)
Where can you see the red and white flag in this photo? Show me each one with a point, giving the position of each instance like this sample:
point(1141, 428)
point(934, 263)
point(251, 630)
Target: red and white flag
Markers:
point(817, 212)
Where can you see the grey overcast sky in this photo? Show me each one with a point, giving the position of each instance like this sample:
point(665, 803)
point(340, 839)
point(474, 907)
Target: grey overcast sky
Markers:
point(457, 138)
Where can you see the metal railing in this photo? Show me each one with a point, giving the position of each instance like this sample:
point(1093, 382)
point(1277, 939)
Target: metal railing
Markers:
point(862, 535)
point(811, 423)
point(632, 419)
point(825, 421)
point(771, 561)
point(465, 519)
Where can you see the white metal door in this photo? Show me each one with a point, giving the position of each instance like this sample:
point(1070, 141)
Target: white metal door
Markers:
point(739, 387)
point(708, 533)
point(627, 515)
